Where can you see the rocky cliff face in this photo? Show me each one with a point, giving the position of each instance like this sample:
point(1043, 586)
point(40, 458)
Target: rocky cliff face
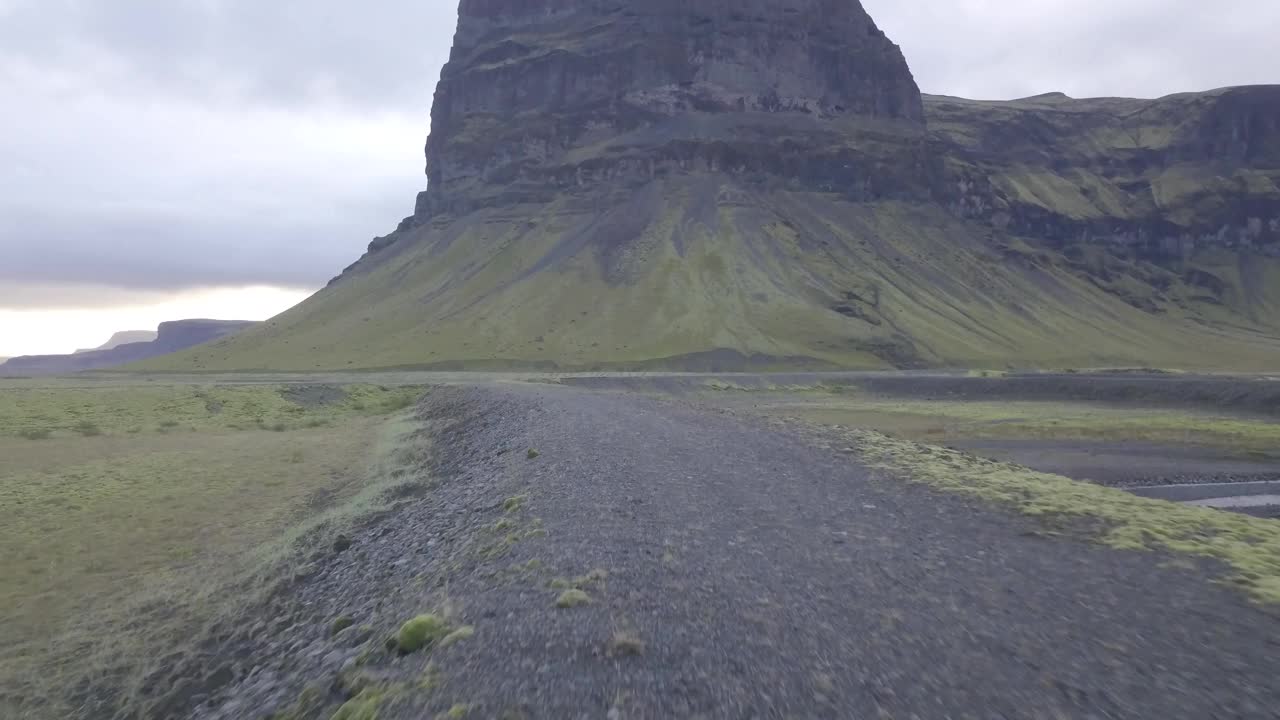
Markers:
point(546, 95)
point(1156, 179)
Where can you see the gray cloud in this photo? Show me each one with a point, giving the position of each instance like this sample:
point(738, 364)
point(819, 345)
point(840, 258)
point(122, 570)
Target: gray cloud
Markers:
point(1001, 49)
point(379, 56)
point(166, 144)
point(63, 294)
point(133, 248)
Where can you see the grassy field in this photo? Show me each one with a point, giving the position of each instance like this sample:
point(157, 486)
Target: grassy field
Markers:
point(942, 421)
point(131, 507)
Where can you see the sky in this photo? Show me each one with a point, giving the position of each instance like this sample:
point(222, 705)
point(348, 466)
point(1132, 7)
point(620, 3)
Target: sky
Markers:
point(162, 159)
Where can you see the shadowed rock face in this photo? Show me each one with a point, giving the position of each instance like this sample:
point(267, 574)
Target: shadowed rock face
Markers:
point(548, 94)
point(1159, 179)
point(822, 56)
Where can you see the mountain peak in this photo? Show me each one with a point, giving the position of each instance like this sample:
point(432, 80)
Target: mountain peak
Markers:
point(823, 56)
point(540, 91)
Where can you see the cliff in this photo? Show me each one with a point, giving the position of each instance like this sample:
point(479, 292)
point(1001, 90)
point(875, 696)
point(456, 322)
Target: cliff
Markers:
point(546, 96)
point(124, 337)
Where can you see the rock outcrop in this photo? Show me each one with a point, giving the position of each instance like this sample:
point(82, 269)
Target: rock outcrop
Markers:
point(171, 337)
point(1156, 179)
point(542, 96)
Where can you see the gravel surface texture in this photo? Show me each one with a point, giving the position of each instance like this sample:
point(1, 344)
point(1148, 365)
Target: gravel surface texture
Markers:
point(731, 568)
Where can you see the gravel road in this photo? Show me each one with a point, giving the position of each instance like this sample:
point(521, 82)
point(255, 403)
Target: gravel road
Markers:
point(735, 569)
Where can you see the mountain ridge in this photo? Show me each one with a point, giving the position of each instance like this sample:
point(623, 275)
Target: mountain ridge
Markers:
point(169, 337)
point(618, 185)
point(124, 337)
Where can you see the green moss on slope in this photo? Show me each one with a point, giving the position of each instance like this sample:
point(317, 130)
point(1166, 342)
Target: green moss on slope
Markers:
point(702, 264)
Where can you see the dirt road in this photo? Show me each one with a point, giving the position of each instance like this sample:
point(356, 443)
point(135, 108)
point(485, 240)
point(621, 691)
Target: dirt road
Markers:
point(731, 569)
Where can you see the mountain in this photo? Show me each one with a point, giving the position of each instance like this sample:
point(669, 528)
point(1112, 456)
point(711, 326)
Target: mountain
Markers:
point(124, 337)
point(707, 184)
point(171, 337)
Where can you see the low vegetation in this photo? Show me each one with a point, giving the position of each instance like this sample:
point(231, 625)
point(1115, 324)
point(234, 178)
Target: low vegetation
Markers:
point(340, 624)
point(625, 644)
point(421, 632)
point(572, 598)
point(142, 502)
point(582, 582)
point(1249, 547)
point(895, 285)
point(117, 408)
point(361, 707)
point(463, 633)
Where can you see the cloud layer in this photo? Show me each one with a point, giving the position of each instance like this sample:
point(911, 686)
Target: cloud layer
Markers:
point(161, 145)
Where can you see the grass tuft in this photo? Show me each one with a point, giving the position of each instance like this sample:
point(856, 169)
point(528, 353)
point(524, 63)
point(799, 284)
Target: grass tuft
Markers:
point(624, 644)
point(581, 582)
point(340, 624)
point(463, 633)
point(361, 707)
point(572, 598)
point(421, 632)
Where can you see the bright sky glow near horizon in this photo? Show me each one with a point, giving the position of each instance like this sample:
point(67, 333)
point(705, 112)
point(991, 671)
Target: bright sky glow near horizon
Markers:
point(189, 158)
point(54, 332)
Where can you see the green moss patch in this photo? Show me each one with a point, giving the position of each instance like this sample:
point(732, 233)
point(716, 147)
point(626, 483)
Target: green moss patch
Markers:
point(420, 632)
point(361, 707)
point(581, 582)
point(898, 284)
point(1250, 547)
point(340, 624)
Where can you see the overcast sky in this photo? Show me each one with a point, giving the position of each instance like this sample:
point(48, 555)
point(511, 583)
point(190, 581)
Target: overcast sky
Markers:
point(226, 157)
